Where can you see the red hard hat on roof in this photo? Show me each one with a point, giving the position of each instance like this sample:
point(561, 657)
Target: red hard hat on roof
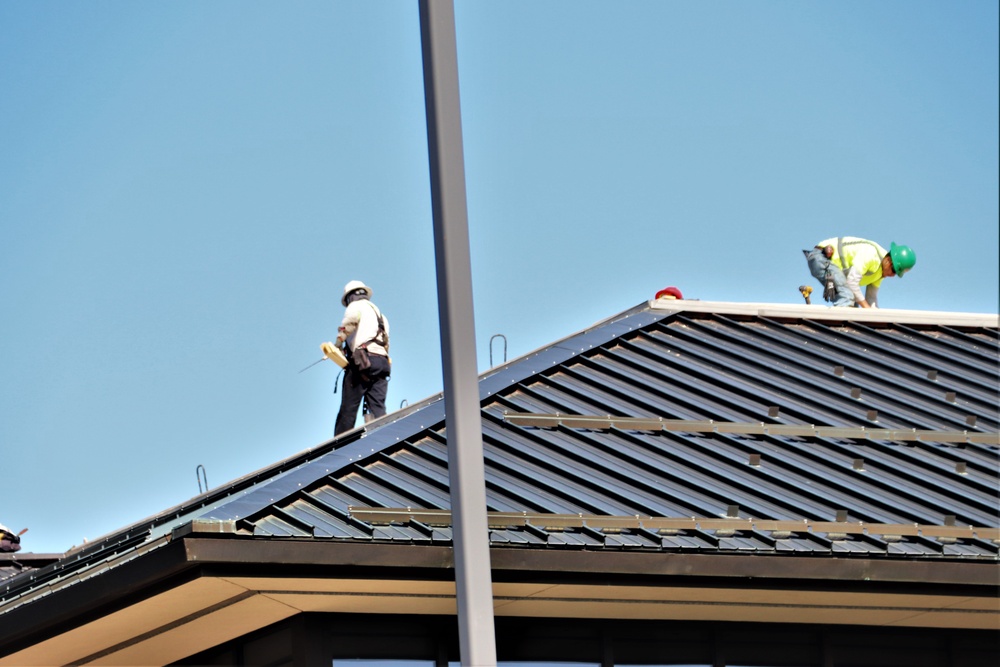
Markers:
point(669, 292)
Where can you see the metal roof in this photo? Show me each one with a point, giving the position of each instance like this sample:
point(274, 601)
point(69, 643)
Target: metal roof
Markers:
point(13, 564)
point(896, 454)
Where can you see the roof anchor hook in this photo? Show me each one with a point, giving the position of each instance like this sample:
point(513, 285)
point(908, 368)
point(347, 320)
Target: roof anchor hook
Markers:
point(199, 472)
point(504, 348)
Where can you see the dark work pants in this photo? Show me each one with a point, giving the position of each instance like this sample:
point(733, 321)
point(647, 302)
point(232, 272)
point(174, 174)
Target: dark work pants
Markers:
point(372, 385)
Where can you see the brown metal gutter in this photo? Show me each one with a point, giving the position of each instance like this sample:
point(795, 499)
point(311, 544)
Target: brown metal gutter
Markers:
point(512, 563)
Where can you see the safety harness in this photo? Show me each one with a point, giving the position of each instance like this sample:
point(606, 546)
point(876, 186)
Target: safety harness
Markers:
point(384, 342)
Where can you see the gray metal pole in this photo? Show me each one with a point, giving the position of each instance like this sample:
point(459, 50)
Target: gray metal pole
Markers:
point(466, 472)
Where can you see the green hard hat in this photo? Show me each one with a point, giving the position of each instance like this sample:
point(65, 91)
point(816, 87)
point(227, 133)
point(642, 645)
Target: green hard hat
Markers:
point(903, 258)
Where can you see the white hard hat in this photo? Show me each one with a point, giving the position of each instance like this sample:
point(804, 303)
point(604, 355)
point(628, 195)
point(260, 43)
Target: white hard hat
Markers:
point(354, 285)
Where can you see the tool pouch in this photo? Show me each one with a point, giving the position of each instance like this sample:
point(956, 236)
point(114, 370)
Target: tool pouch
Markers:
point(829, 289)
point(360, 359)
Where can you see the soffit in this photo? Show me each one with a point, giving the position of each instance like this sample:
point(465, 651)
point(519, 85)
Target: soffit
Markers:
point(159, 629)
point(211, 610)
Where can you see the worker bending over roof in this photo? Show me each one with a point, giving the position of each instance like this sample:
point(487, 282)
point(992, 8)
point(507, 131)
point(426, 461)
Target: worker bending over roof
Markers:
point(845, 264)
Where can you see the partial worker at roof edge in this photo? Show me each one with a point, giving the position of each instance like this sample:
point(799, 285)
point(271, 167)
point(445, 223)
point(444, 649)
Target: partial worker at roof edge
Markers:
point(9, 540)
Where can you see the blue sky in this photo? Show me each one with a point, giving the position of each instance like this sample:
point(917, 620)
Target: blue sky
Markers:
point(185, 188)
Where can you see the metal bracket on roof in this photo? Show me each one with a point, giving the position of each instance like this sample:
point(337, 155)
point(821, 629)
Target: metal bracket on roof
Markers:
point(605, 523)
point(202, 526)
point(537, 420)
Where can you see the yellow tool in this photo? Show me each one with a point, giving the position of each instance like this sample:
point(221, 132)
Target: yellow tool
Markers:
point(806, 290)
point(332, 353)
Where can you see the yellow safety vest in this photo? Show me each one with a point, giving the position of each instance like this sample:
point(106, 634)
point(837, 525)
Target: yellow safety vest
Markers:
point(861, 253)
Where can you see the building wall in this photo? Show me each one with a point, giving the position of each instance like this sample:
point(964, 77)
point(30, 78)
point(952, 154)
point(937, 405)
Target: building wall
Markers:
point(314, 639)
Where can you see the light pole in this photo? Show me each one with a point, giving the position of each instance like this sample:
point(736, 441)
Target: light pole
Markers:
point(467, 479)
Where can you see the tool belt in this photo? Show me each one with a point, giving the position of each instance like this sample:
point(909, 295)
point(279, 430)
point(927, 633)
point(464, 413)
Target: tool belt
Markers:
point(829, 286)
point(359, 358)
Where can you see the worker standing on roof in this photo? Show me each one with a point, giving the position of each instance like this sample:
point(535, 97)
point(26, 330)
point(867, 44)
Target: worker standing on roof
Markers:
point(845, 264)
point(364, 333)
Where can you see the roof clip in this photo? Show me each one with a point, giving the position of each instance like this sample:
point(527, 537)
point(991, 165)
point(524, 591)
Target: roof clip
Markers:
point(949, 520)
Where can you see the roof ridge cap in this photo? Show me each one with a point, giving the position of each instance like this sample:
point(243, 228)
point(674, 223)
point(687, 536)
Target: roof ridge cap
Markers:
point(819, 312)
